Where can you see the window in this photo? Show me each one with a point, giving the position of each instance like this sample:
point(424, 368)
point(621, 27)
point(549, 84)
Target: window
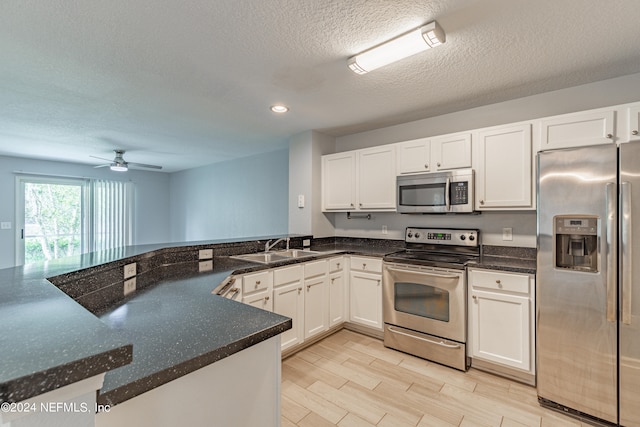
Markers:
point(60, 217)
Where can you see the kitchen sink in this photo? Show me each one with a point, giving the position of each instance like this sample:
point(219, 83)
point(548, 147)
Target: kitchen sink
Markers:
point(275, 256)
point(296, 253)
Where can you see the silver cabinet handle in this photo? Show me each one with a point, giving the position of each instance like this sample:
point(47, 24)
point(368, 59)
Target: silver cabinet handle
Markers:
point(333, 279)
point(438, 164)
point(625, 235)
point(609, 136)
point(257, 282)
point(299, 290)
point(441, 343)
point(338, 265)
point(426, 166)
point(474, 297)
point(424, 273)
point(634, 132)
point(482, 202)
point(360, 204)
point(364, 266)
point(308, 288)
point(352, 205)
point(266, 299)
point(609, 251)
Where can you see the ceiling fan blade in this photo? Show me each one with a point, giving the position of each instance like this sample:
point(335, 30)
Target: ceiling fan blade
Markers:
point(142, 165)
point(102, 158)
point(101, 166)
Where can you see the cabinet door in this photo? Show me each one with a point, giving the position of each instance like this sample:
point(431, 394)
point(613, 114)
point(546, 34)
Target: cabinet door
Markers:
point(414, 156)
point(366, 299)
point(338, 181)
point(501, 328)
point(504, 177)
point(260, 300)
point(288, 300)
point(451, 151)
point(316, 308)
point(578, 129)
point(336, 298)
point(376, 180)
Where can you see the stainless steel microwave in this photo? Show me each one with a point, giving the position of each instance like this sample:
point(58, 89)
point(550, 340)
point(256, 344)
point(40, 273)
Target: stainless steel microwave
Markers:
point(440, 192)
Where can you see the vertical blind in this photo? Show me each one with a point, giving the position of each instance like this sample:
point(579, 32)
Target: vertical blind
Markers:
point(111, 213)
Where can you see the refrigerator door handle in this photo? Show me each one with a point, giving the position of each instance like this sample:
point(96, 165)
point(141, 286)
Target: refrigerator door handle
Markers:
point(625, 236)
point(609, 251)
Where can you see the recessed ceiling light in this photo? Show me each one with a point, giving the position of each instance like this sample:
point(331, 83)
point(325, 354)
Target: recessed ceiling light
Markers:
point(279, 108)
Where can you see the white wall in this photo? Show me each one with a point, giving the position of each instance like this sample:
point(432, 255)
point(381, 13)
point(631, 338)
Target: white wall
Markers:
point(595, 95)
point(151, 219)
point(239, 198)
point(305, 164)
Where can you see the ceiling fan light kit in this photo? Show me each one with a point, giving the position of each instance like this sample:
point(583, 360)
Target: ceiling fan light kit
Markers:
point(403, 46)
point(119, 164)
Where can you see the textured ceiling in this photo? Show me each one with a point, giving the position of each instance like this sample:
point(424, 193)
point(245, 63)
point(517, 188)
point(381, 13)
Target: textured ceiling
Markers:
point(188, 83)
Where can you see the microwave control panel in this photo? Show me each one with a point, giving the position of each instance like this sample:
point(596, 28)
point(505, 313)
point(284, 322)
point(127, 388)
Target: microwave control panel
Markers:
point(460, 193)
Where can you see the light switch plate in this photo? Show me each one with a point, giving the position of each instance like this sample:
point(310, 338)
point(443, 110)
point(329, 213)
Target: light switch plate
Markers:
point(129, 270)
point(5, 225)
point(507, 233)
point(205, 254)
point(301, 200)
point(129, 286)
point(205, 266)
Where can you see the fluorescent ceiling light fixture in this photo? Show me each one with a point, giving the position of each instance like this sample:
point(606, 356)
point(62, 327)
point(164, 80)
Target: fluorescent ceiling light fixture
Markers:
point(118, 167)
point(279, 108)
point(408, 44)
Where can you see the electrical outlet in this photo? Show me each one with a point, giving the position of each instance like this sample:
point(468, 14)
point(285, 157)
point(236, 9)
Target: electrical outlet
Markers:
point(301, 200)
point(129, 270)
point(129, 286)
point(5, 225)
point(384, 229)
point(507, 233)
point(205, 266)
point(205, 254)
point(306, 242)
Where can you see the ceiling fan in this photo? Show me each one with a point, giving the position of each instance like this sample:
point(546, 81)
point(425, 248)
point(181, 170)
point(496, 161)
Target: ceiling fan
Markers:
point(119, 164)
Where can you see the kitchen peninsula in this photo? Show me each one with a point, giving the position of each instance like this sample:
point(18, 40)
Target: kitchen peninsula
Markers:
point(66, 323)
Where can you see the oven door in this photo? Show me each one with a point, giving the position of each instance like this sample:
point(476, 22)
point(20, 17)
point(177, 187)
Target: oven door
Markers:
point(424, 299)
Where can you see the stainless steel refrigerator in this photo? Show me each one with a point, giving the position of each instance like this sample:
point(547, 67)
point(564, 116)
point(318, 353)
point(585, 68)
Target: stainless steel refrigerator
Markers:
point(588, 282)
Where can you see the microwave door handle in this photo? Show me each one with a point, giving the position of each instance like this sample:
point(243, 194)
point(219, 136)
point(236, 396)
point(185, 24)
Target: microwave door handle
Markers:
point(447, 200)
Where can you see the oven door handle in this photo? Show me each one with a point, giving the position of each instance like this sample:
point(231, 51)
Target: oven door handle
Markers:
point(440, 343)
point(441, 276)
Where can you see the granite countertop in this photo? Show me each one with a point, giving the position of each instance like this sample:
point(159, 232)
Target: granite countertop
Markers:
point(49, 340)
point(177, 326)
point(517, 260)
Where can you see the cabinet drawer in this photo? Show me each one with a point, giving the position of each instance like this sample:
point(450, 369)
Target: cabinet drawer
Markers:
point(315, 268)
point(373, 265)
point(282, 276)
point(257, 282)
point(499, 281)
point(336, 264)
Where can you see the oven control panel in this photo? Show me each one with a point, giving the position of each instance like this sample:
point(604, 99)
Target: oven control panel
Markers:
point(442, 236)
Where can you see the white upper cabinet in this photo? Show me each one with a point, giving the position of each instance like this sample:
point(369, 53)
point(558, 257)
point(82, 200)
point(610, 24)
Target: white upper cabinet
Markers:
point(376, 182)
point(633, 120)
point(451, 151)
point(434, 154)
point(360, 180)
point(414, 156)
point(578, 129)
point(504, 168)
point(339, 181)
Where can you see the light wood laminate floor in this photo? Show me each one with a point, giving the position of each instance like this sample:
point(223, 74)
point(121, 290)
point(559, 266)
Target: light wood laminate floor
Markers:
point(349, 379)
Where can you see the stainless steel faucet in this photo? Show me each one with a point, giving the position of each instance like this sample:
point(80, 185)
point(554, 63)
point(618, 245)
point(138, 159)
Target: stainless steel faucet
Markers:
point(268, 246)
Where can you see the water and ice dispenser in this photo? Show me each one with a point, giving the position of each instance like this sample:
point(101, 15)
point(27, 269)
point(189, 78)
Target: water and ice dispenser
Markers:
point(576, 240)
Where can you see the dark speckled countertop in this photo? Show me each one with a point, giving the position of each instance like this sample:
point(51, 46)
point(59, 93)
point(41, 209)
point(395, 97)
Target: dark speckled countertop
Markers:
point(169, 327)
point(48, 340)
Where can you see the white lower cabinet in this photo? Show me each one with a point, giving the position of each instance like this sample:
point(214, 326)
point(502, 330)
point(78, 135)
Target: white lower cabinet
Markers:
point(316, 298)
point(257, 289)
point(288, 300)
point(260, 300)
point(365, 285)
point(337, 292)
point(501, 319)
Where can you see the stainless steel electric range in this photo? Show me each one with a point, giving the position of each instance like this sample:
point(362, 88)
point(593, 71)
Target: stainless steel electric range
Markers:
point(425, 294)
